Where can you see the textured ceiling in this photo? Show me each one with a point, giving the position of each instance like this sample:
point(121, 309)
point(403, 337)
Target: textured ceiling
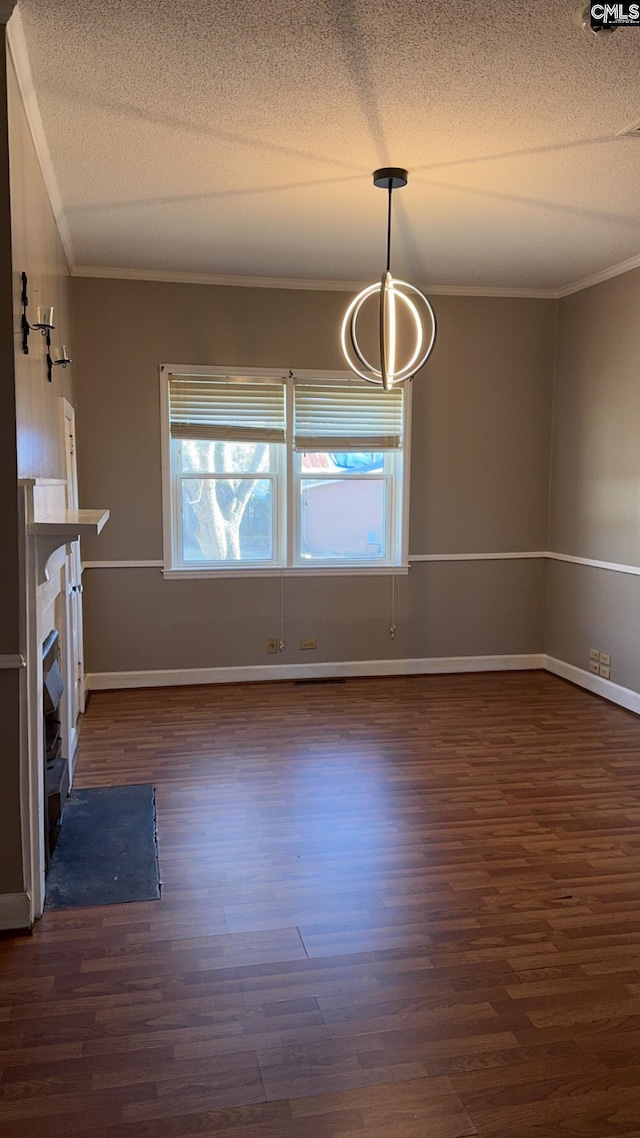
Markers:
point(238, 136)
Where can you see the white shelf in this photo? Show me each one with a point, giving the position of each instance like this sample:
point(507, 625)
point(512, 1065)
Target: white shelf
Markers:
point(57, 528)
point(70, 525)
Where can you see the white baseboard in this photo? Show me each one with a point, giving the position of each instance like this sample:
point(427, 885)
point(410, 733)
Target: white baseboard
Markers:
point(15, 911)
point(437, 665)
point(624, 697)
point(105, 681)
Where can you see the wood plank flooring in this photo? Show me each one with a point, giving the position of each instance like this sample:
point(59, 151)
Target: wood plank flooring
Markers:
point(391, 908)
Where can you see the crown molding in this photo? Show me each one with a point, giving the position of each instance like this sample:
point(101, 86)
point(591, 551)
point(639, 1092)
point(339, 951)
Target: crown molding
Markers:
point(169, 277)
point(20, 57)
point(598, 278)
point(492, 290)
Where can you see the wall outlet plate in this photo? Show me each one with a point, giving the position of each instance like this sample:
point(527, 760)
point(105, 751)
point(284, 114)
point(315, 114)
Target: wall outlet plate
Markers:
point(605, 671)
point(594, 667)
point(305, 644)
point(605, 658)
point(272, 645)
point(594, 654)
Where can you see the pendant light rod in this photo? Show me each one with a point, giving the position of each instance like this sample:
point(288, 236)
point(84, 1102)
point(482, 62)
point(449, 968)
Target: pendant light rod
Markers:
point(393, 296)
point(390, 178)
point(389, 228)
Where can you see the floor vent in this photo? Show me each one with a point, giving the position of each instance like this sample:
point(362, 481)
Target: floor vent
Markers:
point(322, 680)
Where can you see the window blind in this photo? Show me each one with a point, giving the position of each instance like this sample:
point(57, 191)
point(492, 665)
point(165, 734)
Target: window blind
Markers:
point(346, 417)
point(218, 408)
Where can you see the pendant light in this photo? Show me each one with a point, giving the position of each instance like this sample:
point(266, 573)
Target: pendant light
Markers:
point(390, 292)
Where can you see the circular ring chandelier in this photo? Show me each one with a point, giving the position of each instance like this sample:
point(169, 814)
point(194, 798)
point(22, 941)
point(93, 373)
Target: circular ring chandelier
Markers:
point(391, 292)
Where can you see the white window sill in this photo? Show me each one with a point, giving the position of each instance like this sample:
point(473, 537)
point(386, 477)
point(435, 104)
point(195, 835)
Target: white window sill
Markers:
point(315, 571)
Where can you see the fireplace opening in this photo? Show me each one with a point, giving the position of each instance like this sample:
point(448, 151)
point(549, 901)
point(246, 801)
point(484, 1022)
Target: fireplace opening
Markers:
point(56, 767)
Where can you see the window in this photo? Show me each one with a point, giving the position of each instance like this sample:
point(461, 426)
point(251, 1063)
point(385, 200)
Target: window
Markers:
point(269, 473)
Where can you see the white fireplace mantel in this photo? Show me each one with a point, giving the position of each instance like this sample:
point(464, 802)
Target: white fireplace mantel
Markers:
point(51, 524)
point(49, 529)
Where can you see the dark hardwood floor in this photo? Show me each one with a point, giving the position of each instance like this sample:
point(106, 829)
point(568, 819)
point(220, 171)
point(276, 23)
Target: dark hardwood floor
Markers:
point(391, 908)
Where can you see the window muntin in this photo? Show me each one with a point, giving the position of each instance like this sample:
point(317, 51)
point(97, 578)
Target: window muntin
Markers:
point(283, 473)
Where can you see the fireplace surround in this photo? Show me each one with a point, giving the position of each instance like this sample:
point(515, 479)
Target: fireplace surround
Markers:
point(48, 581)
point(56, 765)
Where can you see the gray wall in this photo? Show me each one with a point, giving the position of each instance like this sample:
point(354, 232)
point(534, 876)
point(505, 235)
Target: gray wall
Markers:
point(29, 415)
point(38, 251)
point(480, 456)
point(11, 876)
point(595, 489)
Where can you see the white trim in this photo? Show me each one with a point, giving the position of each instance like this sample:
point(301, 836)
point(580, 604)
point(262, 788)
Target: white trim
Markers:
point(72, 630)
point(170, 277)
point(173, 277)
point(603, 275)
point(415, 558)
point(122, 565)
point(334, 570)
point(624, 697)
point(165, 372)
point(592, 563)
point(27, 788)
point(303, 572)
point(493, 290)
point(476, 556)
point(38, 600)
point(20, 56)
point(12, 663)
point(439, 665)
point(444, 665)
point(15, 911)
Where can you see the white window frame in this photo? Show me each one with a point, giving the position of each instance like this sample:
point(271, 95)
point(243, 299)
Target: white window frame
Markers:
point(275, 475)
point(287, 492)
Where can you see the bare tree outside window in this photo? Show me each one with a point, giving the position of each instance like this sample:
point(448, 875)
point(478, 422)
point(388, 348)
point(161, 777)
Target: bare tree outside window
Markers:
point(215, 508)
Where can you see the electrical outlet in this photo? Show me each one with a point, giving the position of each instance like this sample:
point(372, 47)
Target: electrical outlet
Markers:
point(594, 667)
point(304, 644)
point(272, 645)
point(605, 658)
point(605, 671)
point(594, 654)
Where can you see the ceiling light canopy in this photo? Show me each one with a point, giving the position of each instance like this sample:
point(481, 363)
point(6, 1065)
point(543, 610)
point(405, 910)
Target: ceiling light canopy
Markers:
point(396, 300)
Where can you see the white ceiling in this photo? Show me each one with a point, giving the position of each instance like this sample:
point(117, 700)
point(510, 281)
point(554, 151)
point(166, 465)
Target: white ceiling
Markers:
point(238, 137)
